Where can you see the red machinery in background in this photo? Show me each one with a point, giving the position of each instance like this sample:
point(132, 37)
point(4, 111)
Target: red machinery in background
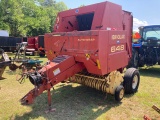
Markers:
point(35, 44)
point(90, 45)
point(8, 44)
point(32, 45)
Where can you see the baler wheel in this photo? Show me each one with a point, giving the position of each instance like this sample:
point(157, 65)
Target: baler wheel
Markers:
point(41, 54)
point(119, 93)
point(131, 80)
point(13, 67)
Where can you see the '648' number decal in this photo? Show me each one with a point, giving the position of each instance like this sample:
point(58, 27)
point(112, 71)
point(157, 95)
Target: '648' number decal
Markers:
point(117, 48)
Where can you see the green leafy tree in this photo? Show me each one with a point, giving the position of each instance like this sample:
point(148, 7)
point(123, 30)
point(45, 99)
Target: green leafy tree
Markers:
point(52, 7)
point(12, 17)
point(29, 17)
point(36, 19)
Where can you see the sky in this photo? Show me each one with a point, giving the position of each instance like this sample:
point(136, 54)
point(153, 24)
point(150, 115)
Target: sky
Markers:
point(145, 12)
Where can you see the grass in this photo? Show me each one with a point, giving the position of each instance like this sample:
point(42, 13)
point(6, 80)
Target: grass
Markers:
point(76, 102)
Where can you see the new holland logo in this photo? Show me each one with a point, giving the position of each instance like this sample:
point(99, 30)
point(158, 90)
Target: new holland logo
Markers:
point(77, 10)
point(118, 37)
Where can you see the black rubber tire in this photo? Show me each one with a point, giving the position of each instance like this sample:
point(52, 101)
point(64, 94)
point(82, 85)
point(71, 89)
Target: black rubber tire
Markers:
point(33, 53)
point(134, 60)
point(158, 61)
point(13, 67)
point(41, 54)
point(128, 80)
point(117, 93)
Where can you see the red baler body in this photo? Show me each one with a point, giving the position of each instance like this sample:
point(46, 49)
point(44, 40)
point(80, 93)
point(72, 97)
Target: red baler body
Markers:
point(96, 38)
point(102, 47)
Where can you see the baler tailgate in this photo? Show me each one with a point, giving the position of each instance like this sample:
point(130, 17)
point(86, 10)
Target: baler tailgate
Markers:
point(61, 68)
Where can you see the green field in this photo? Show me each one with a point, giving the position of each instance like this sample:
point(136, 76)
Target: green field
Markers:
point(76, 102)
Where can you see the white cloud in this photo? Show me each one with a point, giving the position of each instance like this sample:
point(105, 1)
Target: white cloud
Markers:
point(137, 23)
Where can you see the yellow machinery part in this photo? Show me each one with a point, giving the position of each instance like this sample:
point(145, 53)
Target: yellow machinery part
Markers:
point(107, 83)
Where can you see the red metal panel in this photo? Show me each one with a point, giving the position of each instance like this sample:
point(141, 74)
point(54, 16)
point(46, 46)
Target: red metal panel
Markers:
point(36, 43)
point(117, 60)
point(56, 72)
point(102, 46)
point(117, 52)
point(70, 15)
point(112, 17)
point(98, 16)
point(103, 51)
point(108, 39)
point(54, 69)
point(127, 26)
point(68, 73)
point(32, 43)
point(76, 43)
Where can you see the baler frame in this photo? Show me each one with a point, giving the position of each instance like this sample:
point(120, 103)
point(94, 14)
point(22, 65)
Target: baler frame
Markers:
point(94, 57)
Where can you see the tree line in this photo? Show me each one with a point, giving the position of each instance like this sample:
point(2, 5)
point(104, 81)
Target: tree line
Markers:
point(29, 17)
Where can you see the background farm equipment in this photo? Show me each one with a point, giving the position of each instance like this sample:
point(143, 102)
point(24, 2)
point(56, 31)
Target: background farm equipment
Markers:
point(8, 44)
point(35, 45)
point(32, 45)
point(146, 50)
point(4, 61)
point(25, 63)
point(41, 49)
point(90, 45)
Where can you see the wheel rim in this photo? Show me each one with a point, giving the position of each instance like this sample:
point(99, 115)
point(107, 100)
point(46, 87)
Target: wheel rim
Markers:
point(135, 82)
point(121, 94)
